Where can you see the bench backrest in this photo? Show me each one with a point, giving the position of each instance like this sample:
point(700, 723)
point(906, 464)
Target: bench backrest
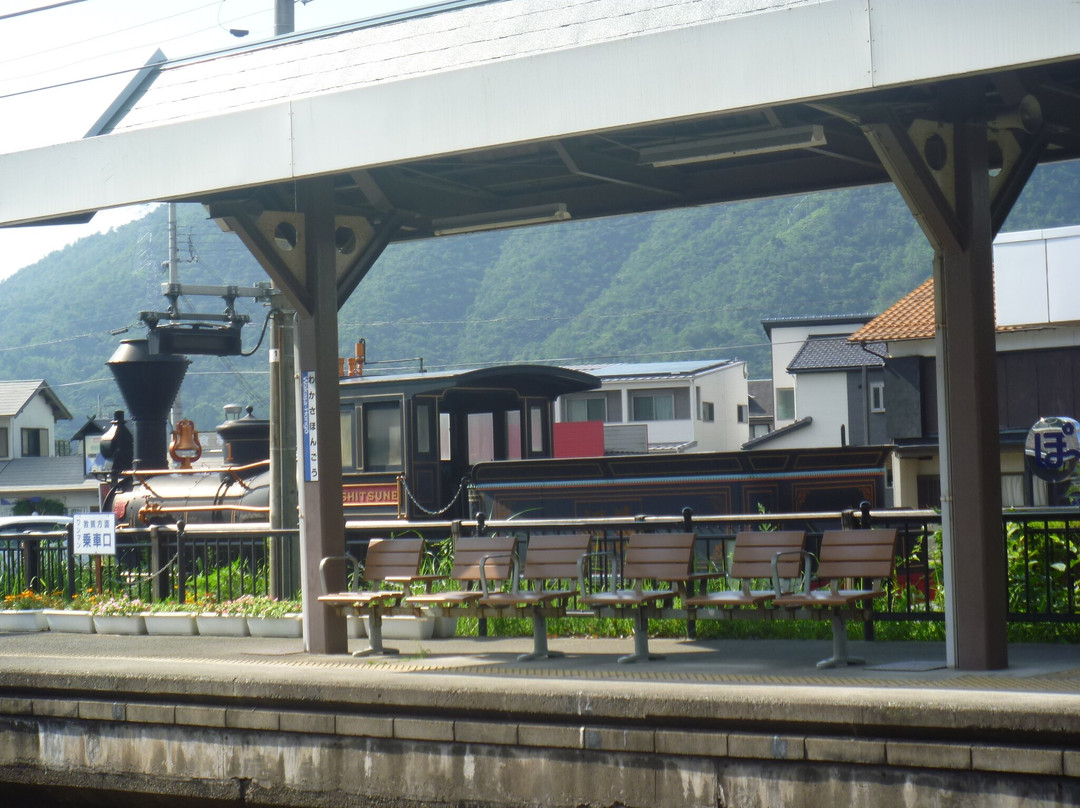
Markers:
point(754, 551)
point(469, 550)
point(857, 554)
point(659, 556)
point(393, 559)
point(555, 557)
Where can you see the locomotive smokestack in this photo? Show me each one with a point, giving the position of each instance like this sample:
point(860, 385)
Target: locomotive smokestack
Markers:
point(149, 384)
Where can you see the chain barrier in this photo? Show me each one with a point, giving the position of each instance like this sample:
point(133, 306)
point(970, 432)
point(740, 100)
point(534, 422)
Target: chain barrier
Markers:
point(449, 505)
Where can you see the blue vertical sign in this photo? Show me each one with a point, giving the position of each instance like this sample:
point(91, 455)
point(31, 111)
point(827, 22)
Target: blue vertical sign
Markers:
point(310, 426)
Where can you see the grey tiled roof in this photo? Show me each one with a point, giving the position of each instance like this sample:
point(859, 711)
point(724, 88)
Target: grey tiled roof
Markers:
point(14, 395)
point(41, 472)
point(836, 353)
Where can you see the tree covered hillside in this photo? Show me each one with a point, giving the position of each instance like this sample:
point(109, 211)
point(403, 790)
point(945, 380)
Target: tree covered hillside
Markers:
point(693, 283)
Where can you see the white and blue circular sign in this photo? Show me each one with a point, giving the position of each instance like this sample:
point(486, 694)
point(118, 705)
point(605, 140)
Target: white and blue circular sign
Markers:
point(1052, 448)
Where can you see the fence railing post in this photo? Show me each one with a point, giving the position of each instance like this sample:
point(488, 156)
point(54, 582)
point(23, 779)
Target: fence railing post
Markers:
point(181, 563)
point(31, 553)
point(159, 582)
point(69, 579)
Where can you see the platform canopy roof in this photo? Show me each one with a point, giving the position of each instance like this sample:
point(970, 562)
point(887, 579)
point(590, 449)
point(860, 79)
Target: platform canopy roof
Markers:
point(467, 115)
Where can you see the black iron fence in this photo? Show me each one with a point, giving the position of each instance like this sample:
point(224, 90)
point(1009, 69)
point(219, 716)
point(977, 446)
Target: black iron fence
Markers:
point(219, 563)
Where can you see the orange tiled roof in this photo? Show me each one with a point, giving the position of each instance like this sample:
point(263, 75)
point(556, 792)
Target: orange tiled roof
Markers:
point(911, 317)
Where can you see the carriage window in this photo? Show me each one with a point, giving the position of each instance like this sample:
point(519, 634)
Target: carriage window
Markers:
point(348, 456)
point(481, 437)
point(444, 436)
point(424, 443)
point(382, 436)
point(536, 430)
point(513, 435)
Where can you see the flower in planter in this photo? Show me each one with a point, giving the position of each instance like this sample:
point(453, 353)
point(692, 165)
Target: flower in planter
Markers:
point(29, 599)
point(117, 606)
point(256, 606)
point(169, 606)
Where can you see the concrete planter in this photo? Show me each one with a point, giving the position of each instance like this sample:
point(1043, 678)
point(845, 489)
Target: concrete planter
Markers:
point(23, 620)
point(221, 625)
point(72, 621)
point(357, 627)
point(404, 627)
point(173, 624)
point(290, 625)
point(119, 624)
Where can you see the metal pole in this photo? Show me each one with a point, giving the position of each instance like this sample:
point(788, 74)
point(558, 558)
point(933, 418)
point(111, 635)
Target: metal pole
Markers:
point(284, 17)
point(284, 552)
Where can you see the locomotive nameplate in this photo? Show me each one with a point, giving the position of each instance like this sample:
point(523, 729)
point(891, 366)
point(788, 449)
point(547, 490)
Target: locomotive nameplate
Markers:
point(369, 495)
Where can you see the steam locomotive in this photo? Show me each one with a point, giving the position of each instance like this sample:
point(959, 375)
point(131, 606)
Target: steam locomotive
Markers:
point(417, 446)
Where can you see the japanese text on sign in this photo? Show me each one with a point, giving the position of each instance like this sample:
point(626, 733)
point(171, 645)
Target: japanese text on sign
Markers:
point(1052, 449)
point(310, 426)
point(95, 533)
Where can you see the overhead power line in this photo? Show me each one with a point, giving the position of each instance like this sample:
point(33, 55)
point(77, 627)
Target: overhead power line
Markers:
point(26, 11)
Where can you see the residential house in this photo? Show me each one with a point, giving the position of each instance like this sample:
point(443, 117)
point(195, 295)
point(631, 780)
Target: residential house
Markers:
point(29, 466)
point(1038, 363)
point(689, 406)
point(814, 369)
point(786, 338)
point(840, 394)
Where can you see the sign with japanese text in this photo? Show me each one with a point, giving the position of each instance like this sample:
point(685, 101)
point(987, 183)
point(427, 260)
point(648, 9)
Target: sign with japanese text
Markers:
point(95, 533)
point(310, 426)
point(1052, 449)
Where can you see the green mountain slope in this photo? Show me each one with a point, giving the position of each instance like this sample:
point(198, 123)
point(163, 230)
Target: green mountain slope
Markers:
point(677, 284)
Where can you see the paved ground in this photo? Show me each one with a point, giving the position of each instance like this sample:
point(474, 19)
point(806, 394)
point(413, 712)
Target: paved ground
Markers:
point(491, 663)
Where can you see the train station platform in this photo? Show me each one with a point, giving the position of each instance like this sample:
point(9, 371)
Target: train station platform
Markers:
point(461, 722)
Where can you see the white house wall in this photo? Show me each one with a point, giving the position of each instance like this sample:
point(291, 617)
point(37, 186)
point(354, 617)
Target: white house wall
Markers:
point(786, 342)
point(727, 389)
point(1036, 275)
point(36, 415)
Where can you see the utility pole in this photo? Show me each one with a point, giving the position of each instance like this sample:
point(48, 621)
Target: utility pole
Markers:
point(284, 485)
point(284, 17)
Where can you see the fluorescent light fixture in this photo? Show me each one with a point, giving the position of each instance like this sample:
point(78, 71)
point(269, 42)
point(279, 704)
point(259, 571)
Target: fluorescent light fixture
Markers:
point(499, 219)
point(742, 145)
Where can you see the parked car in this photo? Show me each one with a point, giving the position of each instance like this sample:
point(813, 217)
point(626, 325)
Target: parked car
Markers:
point(14, 525)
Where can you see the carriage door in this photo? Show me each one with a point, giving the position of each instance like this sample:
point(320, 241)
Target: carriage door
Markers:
point(423, 471)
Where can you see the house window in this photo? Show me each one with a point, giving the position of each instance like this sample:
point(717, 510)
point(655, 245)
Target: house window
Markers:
point(877, 397)
point(759, 430)
point(740, 413)
point(586, 409)
point(4, 452)
point(785, 404)
point(654, 408)
point(708, 411)
point(35, 443)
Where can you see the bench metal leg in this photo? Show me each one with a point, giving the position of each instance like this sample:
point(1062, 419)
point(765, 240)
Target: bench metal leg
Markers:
point(375, 646)
point(641, 641)
point(839, 646)
point(540, 643)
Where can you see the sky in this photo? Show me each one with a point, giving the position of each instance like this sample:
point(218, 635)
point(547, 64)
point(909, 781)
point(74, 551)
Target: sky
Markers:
point(61, 67)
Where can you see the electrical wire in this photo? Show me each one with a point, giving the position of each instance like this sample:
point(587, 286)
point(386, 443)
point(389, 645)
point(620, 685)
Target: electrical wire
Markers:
point(110, 74)
point(258, 344)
